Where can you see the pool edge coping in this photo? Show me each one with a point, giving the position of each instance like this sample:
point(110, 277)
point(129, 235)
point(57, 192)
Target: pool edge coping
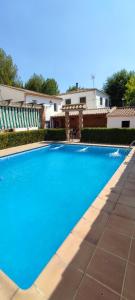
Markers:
point(37, 145)
point(10, 284)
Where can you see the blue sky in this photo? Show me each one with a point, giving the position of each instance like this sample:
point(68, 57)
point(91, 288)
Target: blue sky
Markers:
point(69, 39)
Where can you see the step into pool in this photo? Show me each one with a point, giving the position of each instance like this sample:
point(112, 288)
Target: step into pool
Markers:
point(43, 194)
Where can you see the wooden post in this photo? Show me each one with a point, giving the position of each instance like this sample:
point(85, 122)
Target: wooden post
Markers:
point(67, 109)
point(43, 117)
point(80, 122)
point(67, 124)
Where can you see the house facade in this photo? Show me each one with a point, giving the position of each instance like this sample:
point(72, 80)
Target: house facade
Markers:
point(92, 98)
point(96, 103)
point(121, 117)
point(91, 118)
point(97, 106)
point(52, 104)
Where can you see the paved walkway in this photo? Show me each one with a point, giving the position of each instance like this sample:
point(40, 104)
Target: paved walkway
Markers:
point(21, 148)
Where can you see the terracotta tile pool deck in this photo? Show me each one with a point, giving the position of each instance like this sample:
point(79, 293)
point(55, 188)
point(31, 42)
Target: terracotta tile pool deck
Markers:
point(97, 260)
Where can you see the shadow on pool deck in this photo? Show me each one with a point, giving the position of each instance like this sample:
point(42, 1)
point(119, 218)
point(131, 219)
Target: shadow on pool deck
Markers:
point(97, 260)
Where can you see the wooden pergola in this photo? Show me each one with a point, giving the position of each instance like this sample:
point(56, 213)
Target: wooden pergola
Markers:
point(73, 107)
point(21, 104)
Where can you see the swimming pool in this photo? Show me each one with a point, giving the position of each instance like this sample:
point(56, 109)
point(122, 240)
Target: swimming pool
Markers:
point(43, 193)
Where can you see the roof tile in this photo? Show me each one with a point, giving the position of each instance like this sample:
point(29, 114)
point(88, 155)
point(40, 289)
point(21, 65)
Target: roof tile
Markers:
point(122, 112)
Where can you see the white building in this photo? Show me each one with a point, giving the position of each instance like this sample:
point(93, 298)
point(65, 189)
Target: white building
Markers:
point(52, 104)
point(93, 98)
point(121, 117)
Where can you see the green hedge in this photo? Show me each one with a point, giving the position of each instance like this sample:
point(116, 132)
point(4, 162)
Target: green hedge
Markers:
point(55, 134)
point(11, 139)
point(119, 136)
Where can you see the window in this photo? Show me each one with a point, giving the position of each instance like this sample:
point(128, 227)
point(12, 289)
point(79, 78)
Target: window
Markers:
point(34, 101)
point(68, 101)
point(47, 124)
point(125, 123)
point(83, 100)
point(101, 101)
point(55, 107)
point(106, 102)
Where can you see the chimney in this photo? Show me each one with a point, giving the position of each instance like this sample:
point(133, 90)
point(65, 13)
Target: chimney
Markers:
point(77, 85)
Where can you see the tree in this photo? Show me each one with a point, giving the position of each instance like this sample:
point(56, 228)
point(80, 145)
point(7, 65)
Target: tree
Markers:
point(50, 87)
point(35, 83)
point(38, 83)
point(130, 91)
point(8, 70)
point(115, 86)
point(73, 88)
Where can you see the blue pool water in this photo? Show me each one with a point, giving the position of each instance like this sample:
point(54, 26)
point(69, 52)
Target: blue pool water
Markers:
point(43, 193)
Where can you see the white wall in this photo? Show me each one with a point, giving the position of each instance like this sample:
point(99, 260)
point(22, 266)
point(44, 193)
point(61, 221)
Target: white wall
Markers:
point(75, 98)
point(104, 97)
point(10, 93)
point(48, 103)
point(92, 98)
point(115, 122)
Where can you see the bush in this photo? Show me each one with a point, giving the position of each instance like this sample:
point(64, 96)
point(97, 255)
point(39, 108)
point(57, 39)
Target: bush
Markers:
point(55, 135)
point(119, 136)
point(12, 139)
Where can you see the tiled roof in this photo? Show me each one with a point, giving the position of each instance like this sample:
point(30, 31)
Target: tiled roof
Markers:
point(98, 111)
point(122, 112)
point(33, 93)
point(83, 90)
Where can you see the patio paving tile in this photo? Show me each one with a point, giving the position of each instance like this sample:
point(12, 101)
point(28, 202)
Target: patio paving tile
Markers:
point(127, 200)
point(131, 180)
point(90, 289)
point(131, 174)
point(17, 149)
point(57, 281)
point(124, 211)
point(115, 243)
point(82, 228)
point(76, 252)
point(91, 215)
point(97, 228)
point(132, 252)
point(50, 276)
point(31, 294)
point(121, 225)
point(108, 269)
point(130, 185)
point(128, 192)
point(7, 287)
point(111, 197)
point(117, 189)
point(129, 286)
point(68, 286)
point(104, 204)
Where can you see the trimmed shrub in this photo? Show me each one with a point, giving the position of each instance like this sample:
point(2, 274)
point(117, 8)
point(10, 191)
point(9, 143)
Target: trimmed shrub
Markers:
point(55, 134)
point(12, 139)
point(119, 136)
